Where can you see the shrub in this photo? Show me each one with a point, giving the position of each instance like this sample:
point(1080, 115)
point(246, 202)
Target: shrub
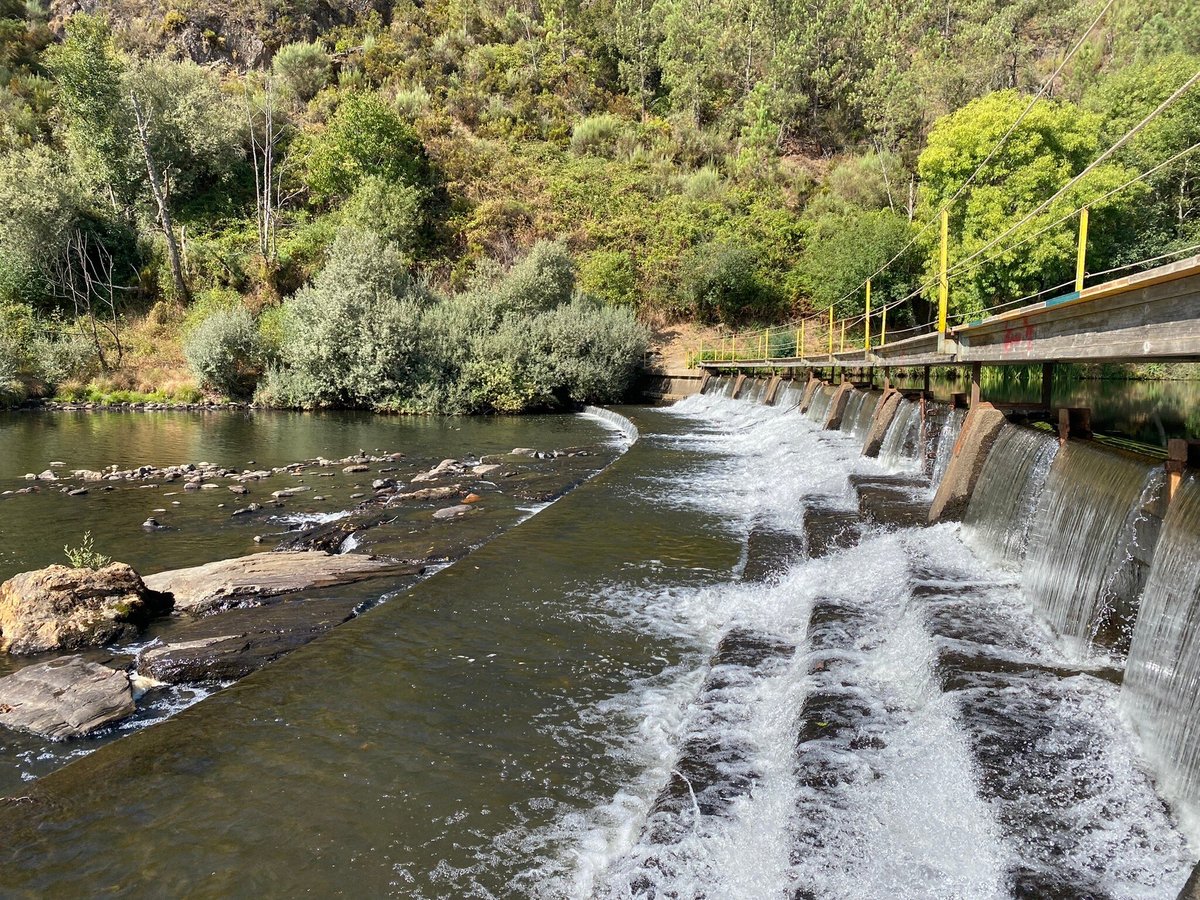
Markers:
point(704, 184)
point(721, 282)
point(302, 69)
point(392, 211)
point(85, 555)
point(350, 336)
point(596, 135)
point(224, 352)
point(543, 279)
point(364, 137)
point(609, 275)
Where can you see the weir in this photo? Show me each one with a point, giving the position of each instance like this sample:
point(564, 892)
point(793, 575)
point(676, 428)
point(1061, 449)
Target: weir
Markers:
point(1103, 557)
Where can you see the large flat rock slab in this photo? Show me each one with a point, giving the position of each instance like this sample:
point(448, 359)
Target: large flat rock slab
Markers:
point(246, 580)
point(235, 643)
point(64, 698)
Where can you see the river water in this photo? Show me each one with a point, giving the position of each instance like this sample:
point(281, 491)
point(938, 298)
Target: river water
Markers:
point(621, 698)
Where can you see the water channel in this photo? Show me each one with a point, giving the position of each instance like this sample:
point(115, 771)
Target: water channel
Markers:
point(651, 688)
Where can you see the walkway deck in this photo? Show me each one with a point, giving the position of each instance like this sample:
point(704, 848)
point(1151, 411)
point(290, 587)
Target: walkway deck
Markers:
point(1153, 315)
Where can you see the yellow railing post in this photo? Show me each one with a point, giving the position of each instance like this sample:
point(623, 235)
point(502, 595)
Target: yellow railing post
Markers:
point(943, 283)
point(831, 331)
point(1082, 260)
point(867, 323)
point(842, 343)
point(883, 327)
point(733, 347)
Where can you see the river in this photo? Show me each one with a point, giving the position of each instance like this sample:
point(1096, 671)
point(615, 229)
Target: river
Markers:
point(624, 696)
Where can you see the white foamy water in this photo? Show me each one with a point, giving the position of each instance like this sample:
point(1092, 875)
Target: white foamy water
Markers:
point(910, 730)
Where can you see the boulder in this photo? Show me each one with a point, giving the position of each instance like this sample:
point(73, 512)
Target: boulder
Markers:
point(64, 698)
point(60, 608)
point(246, 580)
point(453, 512)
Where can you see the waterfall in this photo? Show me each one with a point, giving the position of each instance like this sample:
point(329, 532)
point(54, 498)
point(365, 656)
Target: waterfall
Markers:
point(614, 420)
point(818, 408)
point(1161, 692)
point(854, 404)
point(1082, 542)
point(857, 420)
point(1001, 510)
point(789, 396)
point(947, 437)
point(901, 445)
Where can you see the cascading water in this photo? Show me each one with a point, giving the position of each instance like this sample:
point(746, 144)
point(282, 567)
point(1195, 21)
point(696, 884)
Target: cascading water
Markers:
point(818, 407)
point(1001, 510)
point(900, 451)
point(860, 409)
point(1161, 691)
point(1082, 544)
point(947, 437)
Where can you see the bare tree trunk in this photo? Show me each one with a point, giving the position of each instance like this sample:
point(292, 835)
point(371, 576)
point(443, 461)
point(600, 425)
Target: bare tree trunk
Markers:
point(160, 198)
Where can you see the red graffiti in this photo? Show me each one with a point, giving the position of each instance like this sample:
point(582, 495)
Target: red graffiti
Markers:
point(1018, 337)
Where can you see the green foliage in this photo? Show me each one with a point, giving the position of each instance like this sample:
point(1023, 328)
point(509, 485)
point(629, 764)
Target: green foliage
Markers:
point(85, 556)
point(609, 275)
point(224, 352)
point(40, 204)
point(394, 211)
point(351, 335)
point(301, 69)
point(365, 137)
point(722, 284)
point(843, 251)
point(596, 135)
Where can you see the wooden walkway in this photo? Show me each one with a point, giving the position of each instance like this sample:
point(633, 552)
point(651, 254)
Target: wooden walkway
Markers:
point(1153, 315)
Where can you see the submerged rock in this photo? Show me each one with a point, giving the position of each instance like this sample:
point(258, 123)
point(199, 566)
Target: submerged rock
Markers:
point(240, 641)
point(246, 580)
point(453, 512)
point(64, 698)
point(60, 608)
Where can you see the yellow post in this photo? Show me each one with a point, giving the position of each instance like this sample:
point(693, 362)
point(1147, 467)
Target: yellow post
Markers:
point(883, 327)
point(831, 331)
point(842, 345)
point(1079, 265)
point(943, 282)
point(733, 347)
point(867, 321)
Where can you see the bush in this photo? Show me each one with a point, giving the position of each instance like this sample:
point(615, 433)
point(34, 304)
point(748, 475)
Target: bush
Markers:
point(722, 284)
point(351, 336)
point(596, 135)
point(392, 211)
point(224, 352)
point(85, 556)
point(609, 275)
point(364, 137)
point(302, 69)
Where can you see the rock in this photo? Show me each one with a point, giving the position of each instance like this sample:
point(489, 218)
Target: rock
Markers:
point(523, 451)
point(453, 512)
point(64, 698)
point(60, 608)
point(358, 467)
point(239, 489)
point(48, 475)
point(486, 469)
point(382, 484)
point(290, 492)
point(235, 643)
point(57, 465)
point(244, 581)
point(442, 469)
point(433, 493)
point(78, 492)
point(152, 524)
point(192, 486)
point(472, 498)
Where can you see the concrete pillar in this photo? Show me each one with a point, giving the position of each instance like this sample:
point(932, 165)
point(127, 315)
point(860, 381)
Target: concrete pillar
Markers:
point(772, 390)
point(1074, 422)
point(810, 390)
point(979, 431)
point(837, 406)
point(738, 385)
point(885, 412)
point(704, 380)
point(1177, 460)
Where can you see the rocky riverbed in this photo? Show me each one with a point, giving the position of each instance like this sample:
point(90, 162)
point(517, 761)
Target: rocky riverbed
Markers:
point(92, 652)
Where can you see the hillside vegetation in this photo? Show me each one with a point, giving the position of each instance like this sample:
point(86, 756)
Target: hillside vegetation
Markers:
point(473, 206)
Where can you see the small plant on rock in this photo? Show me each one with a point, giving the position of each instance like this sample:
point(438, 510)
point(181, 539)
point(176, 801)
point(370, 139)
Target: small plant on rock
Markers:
point(85, 556)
